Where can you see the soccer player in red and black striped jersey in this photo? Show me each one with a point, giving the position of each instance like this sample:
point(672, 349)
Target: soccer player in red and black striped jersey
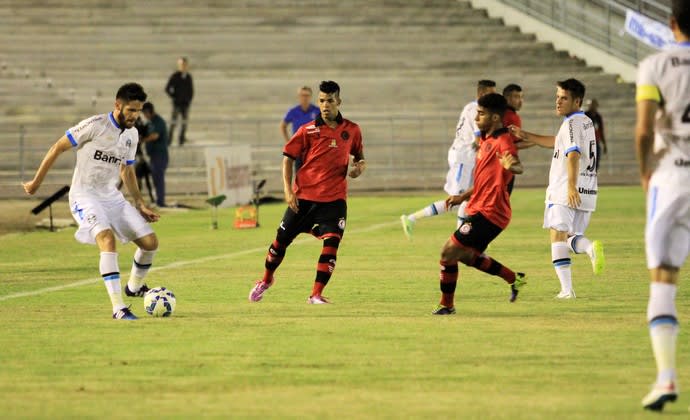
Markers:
point(316, 201)
point(488, 211)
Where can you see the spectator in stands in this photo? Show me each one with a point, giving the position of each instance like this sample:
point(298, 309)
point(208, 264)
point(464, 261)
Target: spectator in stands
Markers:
point(595, 116)
point(156, 142)
point(181, 90)
point(302, 113)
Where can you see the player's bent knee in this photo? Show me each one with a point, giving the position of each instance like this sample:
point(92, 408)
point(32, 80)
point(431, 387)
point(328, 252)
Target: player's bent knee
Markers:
point(148, 242)
point(105, 240)
point(466, 257)
point(449, 252)
point(558, 235)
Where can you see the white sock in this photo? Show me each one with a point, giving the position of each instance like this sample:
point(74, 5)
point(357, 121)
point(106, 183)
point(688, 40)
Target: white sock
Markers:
point(560, 256)
point(580, 244)
point(461, 213)
point(140, 266)
point(111, 278)
point(663, 329)
point(433, 209)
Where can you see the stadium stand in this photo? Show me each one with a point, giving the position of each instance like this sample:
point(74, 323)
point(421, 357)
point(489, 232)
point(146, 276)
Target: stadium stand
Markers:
point(406, 68)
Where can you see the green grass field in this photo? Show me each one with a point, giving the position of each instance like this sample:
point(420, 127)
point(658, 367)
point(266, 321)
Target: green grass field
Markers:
point(375, 353)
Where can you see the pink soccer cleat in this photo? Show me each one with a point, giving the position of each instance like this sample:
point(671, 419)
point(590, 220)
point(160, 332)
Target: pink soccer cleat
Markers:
point(257, 292)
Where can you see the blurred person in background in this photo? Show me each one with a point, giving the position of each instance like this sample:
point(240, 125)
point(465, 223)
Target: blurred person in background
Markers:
point(156, 143)
point(594, 115)
point(141, 167)
point(300, 114)
point(180, 88)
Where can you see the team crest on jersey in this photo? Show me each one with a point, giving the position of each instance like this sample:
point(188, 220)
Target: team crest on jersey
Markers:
point(466, 228)
point(129, 143)
point(344, 135)
point(333, 143)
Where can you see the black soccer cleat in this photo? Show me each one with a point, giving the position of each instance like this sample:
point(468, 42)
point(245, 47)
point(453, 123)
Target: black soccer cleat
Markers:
point(125, 314)
point(139, 293)
point(443, 310)
point(520, 282)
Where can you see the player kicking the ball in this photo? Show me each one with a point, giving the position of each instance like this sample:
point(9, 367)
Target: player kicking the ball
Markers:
point(461, 159)
point(316, 203)
point(106, 147)
point(488, 209)
point(663, 149)
point(571, 196)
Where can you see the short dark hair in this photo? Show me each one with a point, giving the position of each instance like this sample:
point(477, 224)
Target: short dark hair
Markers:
point(485, 83)
point(131, 92)
point(574, 86)
point(184, 59)
point(680, 9)
point(148, 107)
point(511, 88)
point(494, 103)
point(329, 86)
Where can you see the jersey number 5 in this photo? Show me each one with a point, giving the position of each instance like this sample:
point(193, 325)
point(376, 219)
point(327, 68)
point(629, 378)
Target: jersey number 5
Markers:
point(592, 156)
point(686, 115)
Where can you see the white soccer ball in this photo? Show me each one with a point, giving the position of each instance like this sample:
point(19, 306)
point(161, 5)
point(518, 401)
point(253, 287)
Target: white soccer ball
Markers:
point(159, 301)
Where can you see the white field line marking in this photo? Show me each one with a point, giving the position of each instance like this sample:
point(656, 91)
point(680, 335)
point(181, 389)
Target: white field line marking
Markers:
point(176, 265)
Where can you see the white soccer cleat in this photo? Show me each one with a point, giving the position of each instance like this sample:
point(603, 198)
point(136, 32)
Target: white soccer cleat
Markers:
point(569, 294)
point(317, 300)
point(660, 395)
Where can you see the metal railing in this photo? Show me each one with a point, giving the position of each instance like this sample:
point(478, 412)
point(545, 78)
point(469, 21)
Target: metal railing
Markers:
point(599, 23)
point(403, 152)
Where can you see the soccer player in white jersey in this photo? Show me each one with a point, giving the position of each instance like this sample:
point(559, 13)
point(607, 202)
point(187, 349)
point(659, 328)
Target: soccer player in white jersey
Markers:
point(571, 196)
point(106, 146)
point(461, 158)
point(662, 138)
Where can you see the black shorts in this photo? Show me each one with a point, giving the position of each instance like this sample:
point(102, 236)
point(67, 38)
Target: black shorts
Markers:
point(325, 219)
point(476, 232)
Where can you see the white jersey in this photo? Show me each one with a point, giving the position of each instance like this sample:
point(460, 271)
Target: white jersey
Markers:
point(665, 78)
point(101, 147)
point(465, 134)
point(575, 135)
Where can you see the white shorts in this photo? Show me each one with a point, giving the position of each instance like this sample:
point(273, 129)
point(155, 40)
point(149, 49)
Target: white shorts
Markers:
point(94, 216)
point(566, 219)
point(460, 176)
point(667, 235)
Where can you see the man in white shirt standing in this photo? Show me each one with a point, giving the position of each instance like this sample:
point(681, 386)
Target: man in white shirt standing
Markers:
point(106, 147)
point(571, 196)
point(662, 138)
point(461, 158)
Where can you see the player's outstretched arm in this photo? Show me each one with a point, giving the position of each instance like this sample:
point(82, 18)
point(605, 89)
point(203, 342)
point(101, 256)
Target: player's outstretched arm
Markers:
point(644, 138)
point(543, 141)
point(453, 200)
point(290, 197)
point(55, 150)
point(524, 144)
point(129, 177)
